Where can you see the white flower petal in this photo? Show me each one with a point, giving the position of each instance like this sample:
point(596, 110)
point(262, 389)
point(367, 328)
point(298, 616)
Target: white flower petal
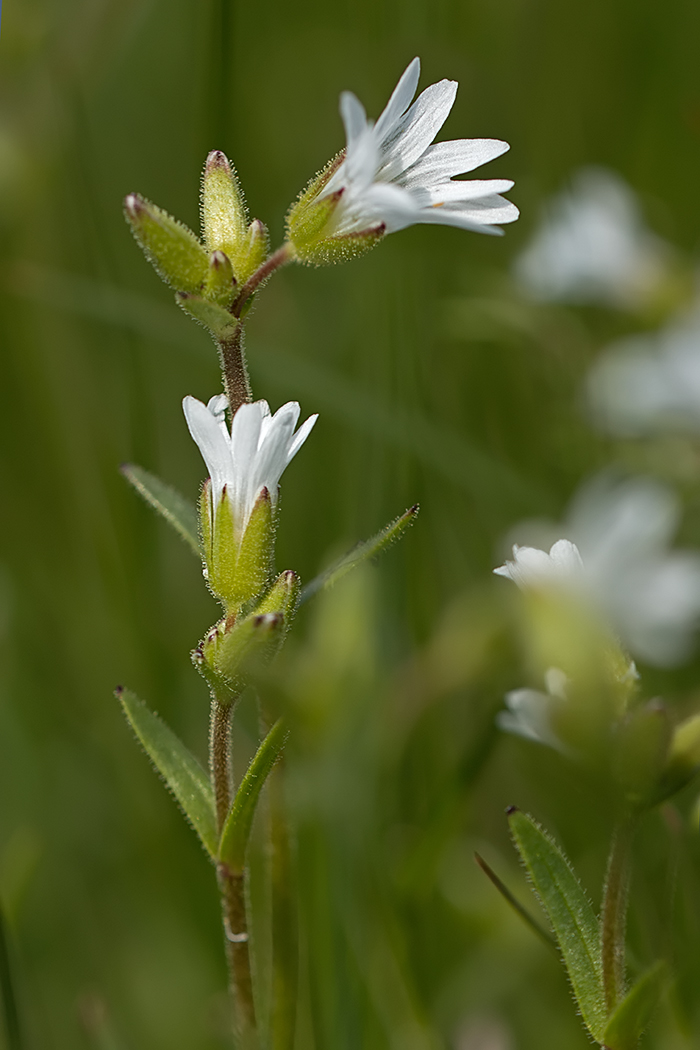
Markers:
point(301, 436)
point(417, 129)
point(400, 100)
point(456, 157)
point(354, 117)
point(211, 441)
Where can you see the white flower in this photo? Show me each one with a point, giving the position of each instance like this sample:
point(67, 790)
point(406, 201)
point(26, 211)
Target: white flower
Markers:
point(531, 567)
point(593, 246)
point(249, 459)
point(529, 711)
point(391, 176)
point(650, 383)
point(649, 595)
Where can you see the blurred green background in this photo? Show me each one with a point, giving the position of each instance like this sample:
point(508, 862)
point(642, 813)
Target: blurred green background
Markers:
point(436, 383)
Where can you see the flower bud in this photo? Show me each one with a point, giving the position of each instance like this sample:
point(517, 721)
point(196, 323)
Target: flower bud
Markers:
point(225, 219)
point(171, 247)
point(221, 283)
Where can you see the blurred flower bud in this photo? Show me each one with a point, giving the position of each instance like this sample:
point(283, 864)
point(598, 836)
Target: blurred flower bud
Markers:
point(641, 751)
point(225, 219)
point(173, 250)
point(684, 756)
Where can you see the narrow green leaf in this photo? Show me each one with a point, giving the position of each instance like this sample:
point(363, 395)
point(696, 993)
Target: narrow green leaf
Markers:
point(361, 552)
point(234, 837)
point(573, 920)
point(176, 510)
point(179, 768)
point(632, 1015)
point(13, 1029)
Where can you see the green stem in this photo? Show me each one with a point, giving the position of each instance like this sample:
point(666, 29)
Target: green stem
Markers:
point(283, 255)
point(231, 883)
point(614, 913)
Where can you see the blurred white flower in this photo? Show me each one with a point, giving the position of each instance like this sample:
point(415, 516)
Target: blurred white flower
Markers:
point(532, 567)
point(649, 595)
point(650, 383)
point(593, 246)
point(391, 176)
point(528, 711)
point(252, 456)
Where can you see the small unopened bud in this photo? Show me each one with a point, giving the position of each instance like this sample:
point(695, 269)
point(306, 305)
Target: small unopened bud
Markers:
point(642, 749)
point(171, 247)
point(225, 219)
point(221, 282)
point(247, 645)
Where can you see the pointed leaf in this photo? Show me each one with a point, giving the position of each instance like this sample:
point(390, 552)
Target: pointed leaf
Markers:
point(632, 1015)
point(177, 765)
point(570, 913)
point(362, 552)
point(234, 837)
point(176, 510)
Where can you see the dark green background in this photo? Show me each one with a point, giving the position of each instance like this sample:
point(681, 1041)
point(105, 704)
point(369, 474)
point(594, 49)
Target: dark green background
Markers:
point(435, 383)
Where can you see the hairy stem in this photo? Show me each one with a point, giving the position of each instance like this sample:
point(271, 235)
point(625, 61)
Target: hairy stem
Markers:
point(236, 382)
point(231, 883)
point(232, 886)
point(283, 255)
point(614, 914)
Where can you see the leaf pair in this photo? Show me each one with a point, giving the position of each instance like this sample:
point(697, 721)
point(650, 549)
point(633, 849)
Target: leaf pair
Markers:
point(182, 516)
point(578, 935)
point(191, 786)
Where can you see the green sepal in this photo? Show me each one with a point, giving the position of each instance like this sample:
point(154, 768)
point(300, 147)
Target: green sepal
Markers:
point(301, 221)
point(305, 225)
point(632, 1015)
point(177, 765)
point(172, 248)
point(237, 569)
point(573, 920)
point(221, 284)
point(215, 318)
point(254, 558)
point(328, 251)
point(176, 510)
point(236, 831)
point(361, 552)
